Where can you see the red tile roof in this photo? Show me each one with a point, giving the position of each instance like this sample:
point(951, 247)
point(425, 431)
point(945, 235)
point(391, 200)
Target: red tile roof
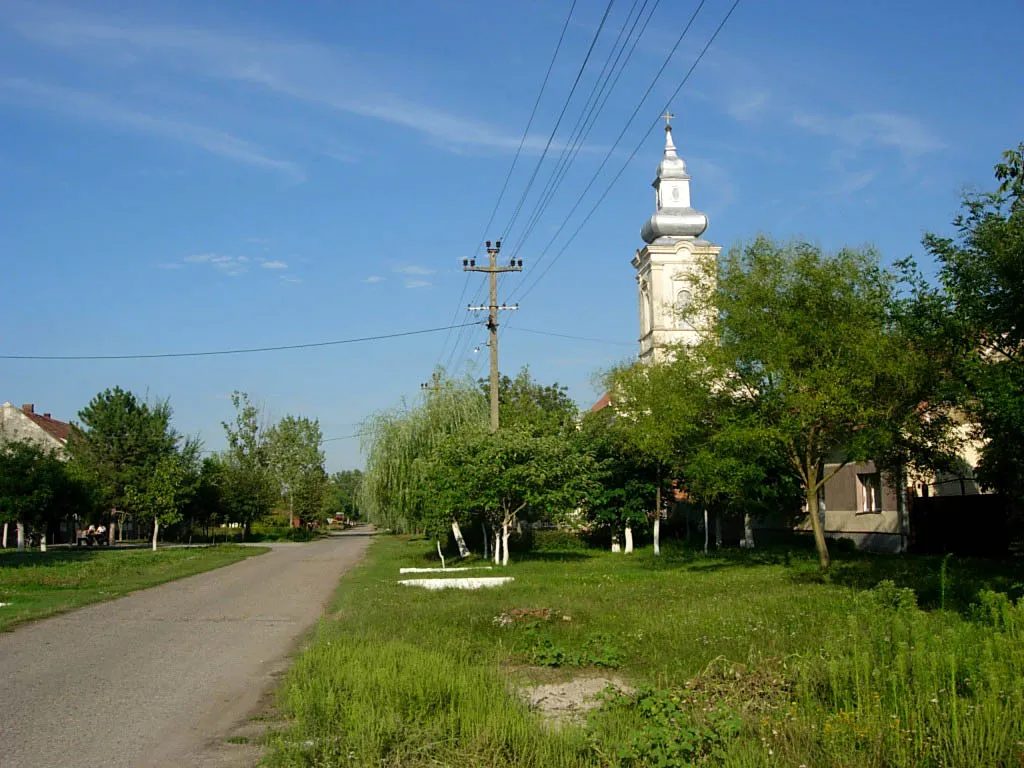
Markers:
point(56, 429)
point(601, 404)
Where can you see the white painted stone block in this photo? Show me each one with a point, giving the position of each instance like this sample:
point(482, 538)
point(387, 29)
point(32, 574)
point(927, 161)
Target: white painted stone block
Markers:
point(446, 570)
point(463, 583)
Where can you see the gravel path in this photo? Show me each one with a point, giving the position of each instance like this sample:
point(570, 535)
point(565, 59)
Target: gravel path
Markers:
point(159, 677)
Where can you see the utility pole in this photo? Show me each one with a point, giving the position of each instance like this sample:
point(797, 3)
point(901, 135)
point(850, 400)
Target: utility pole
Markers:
point(493, 270)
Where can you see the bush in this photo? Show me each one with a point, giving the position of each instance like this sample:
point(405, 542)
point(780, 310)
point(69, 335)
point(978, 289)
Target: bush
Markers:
point(556, 540)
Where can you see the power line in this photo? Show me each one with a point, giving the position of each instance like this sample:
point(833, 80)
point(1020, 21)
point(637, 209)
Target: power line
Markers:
point(558, 122)
point(508, 177)
point(342, 437)
point(628, 160)
point(577, 338)
point(618, 139)
point(240, 351)
point(599, 95)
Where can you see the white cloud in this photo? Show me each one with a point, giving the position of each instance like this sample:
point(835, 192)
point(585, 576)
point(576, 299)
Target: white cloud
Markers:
point(90, 107)
point(906, 134)
point(228, 265)
point(418, 284)
point(335, 79)
point(747, 105)
point(169, 265)
point(852, 181)
point(412, 269)
point(290, 279)
point(374, 279)
point(274, 265)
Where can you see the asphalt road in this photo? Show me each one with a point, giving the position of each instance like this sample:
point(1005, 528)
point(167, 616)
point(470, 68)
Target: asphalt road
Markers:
point(160, 677)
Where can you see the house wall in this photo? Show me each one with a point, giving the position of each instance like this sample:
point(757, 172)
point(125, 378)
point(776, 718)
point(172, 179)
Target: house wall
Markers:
point(15, 425)
point(845, 518)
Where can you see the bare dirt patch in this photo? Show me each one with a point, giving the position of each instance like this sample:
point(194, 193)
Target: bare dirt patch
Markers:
point(569, 701)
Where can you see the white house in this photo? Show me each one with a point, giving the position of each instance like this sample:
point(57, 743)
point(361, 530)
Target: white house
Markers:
point(24, 424)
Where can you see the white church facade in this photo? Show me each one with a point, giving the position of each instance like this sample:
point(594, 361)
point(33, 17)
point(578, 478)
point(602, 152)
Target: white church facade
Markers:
point(667, 267)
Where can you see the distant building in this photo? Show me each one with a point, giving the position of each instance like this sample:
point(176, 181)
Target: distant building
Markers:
point(24, 424)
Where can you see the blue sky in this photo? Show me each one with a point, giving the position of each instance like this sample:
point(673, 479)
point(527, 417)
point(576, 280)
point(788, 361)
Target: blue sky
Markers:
point(182, 176)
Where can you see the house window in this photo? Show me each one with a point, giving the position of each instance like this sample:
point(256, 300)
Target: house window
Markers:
point(870, 492)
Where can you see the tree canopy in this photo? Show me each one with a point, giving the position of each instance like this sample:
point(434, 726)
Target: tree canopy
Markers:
point(976, 315)
point(118, 442)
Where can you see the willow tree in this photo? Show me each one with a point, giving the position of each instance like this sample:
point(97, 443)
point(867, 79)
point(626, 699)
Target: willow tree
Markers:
point(398, 444)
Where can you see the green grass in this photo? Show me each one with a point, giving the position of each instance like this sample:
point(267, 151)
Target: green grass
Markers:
point(741, 659)
point(39, 584)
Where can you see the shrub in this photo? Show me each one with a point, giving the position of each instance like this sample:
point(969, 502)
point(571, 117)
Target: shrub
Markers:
point(555, 540)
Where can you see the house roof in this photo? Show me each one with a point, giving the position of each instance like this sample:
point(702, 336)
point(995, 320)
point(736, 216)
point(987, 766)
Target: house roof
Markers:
point(59, 430)
point(601, 404)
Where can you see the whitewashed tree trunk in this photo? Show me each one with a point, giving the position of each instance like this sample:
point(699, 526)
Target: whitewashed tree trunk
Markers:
point(497, 546)
point(615, 542)
point(629, 540)
point(657, 523)
point(487, 541)
point(156, 529)
point(439, 553)
point(718, 530)
point(5, 535)
point(21, 536)
point(505, 532)
point(707, 531)
point(457, 533)
point(748, 531)
point(42, 541)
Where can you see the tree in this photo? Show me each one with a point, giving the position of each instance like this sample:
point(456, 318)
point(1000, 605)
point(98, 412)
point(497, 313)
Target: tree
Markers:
point(812, 343)
point(161, 498)
point(686, 426)
point(625, 492)
point(118, 443)
point(205, 507)
point(343, 493)
point(524, 402)
point(508, 472)
point(397, 443)
point(36, 489)
point(297, 462)
point(977, 315)
point(247, 483)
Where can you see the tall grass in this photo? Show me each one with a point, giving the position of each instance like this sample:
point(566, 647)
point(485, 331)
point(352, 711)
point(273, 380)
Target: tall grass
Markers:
point(395, 704)
point(750, 659)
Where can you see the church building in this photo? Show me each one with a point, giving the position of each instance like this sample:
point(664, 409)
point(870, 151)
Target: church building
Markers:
point(668, 265)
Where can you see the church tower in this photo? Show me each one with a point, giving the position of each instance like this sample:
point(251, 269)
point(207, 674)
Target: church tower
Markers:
point(668, 265)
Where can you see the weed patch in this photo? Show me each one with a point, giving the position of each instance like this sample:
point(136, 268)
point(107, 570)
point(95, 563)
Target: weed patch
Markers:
point(738, 660)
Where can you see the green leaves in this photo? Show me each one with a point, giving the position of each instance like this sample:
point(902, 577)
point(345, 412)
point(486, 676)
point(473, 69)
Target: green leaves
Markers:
point(35, 486)
point(296, 460)
point(119, 442)
point(247, 485)
point(400, 485)
point(974, 320)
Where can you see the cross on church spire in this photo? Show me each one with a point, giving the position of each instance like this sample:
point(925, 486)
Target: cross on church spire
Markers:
point(667, 117)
